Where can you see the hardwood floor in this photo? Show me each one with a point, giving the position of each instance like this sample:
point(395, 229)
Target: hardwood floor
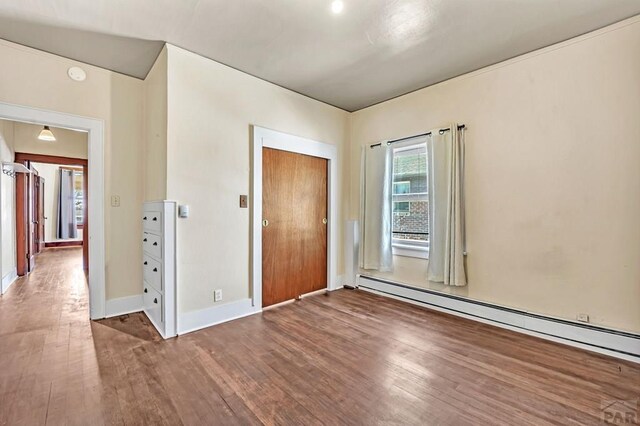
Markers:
point(346, 358)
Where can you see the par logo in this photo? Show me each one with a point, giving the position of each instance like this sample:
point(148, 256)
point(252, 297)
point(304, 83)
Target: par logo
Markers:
point(620, 411)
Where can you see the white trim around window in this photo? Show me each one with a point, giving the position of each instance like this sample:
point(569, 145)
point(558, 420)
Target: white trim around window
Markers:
point(414, 249)
point(403, 247)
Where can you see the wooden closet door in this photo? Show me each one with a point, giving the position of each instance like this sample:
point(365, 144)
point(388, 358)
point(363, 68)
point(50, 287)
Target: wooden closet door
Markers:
point(294, 231)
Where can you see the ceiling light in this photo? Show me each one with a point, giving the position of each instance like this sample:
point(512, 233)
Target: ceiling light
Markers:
point(46, 135)
point(77, 74)
point(337, 6)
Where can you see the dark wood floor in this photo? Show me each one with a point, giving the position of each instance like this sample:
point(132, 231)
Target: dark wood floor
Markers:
point(346, 358)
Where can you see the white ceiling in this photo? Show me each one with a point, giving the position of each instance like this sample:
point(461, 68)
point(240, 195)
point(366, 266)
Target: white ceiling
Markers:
point(373, 51)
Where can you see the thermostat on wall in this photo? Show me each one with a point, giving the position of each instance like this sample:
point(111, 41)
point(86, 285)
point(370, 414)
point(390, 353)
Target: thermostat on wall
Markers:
point(183, 211)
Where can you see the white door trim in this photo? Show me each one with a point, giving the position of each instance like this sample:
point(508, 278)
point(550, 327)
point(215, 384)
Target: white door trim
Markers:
point(95, 129)
point(265, 138)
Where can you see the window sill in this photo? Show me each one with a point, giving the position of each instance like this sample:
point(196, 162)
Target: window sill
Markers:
point(407, 250)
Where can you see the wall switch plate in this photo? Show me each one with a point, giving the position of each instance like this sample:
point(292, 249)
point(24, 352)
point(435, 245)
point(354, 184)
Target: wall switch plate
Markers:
point(115, 201)
point(583, 317)
point(217, 295)
point(244, 202)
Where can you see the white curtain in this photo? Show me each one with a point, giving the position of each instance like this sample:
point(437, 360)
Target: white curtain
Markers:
point(67, 223)
point(446, 214)
point(375, 208)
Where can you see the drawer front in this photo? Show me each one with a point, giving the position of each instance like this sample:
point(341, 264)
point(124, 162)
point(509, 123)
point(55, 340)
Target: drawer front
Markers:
point(152, 272)
point(153, 304)
point(152, 244)
point(152, 221)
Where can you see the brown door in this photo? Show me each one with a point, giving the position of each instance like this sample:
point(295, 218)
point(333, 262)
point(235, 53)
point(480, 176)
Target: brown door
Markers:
point(294, 231)
point(40, 212)
point(22, 222)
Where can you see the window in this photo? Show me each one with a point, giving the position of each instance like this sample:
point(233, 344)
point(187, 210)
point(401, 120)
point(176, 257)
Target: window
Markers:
point(403, 187)
point(78, 192)
point(410, 201)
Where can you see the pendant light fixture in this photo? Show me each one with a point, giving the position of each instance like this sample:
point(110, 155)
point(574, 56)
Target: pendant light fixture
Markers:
point(46, 135)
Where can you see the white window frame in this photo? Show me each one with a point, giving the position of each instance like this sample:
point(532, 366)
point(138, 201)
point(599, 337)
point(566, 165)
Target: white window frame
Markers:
point(409, 248)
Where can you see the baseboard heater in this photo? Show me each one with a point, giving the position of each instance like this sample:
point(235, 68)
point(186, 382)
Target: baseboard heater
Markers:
point(619, 344)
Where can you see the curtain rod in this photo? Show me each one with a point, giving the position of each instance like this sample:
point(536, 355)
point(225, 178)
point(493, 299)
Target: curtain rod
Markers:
point(441, 131)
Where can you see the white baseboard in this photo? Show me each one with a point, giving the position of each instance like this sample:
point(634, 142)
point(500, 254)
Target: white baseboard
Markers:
point(7, 280)
point(340, 281)
point(606, 341)
point(197, 320)
point(123, 305)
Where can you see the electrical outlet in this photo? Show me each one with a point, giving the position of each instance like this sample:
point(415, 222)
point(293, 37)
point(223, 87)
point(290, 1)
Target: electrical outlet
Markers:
point(583, 317)
point(115, 201)
point(217, 295)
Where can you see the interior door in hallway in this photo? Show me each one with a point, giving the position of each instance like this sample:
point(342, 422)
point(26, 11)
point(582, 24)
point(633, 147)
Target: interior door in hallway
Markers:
point(294, 227)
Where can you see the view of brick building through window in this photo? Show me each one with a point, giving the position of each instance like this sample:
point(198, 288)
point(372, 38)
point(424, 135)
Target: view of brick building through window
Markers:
point(410, 198)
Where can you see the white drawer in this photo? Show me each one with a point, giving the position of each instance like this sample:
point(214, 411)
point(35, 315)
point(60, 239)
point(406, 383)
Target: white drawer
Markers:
point(153, 305)
point(152, 221)
point(152, 244)
point(152, 272)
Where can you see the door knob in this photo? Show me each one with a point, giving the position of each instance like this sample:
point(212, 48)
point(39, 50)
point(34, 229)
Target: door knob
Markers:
point(324, 220)
point(265, 223)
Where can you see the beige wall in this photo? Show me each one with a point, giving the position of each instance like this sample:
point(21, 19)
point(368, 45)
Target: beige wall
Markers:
point(68, 143)
point(552, 175)
point(7, 197)
point(211, 109)
point(155, 116)
point(40, 80)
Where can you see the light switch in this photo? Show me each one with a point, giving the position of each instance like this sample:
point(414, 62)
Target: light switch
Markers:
point(243, 202)
point(115, 201)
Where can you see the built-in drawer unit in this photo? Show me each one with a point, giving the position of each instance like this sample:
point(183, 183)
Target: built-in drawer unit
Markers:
point(152, 221)
point(159, 265)
point(153, 302)
point(152, 271)
point(152, 244)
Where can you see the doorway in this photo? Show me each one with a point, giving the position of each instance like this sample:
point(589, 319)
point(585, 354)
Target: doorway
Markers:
point(96, 186)
point(319, 160)
point(34, 218)
point(294, 233)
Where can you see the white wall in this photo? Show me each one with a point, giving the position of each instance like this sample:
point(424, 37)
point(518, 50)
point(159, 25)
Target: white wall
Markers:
point(40, 80)
point(211, 108)
point(50, 174)
point(155, 116)
point(552, 175)
point(7, 197)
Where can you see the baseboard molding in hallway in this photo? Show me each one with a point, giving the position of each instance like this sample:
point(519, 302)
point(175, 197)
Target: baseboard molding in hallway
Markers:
point(123, 306)
point(7, 280)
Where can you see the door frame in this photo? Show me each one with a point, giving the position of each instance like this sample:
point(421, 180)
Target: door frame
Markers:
point(95, 206)
point(79, 163)
point(266, 138)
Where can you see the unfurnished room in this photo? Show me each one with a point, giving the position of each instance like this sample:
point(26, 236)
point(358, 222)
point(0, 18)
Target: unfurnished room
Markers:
point(306, 212)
